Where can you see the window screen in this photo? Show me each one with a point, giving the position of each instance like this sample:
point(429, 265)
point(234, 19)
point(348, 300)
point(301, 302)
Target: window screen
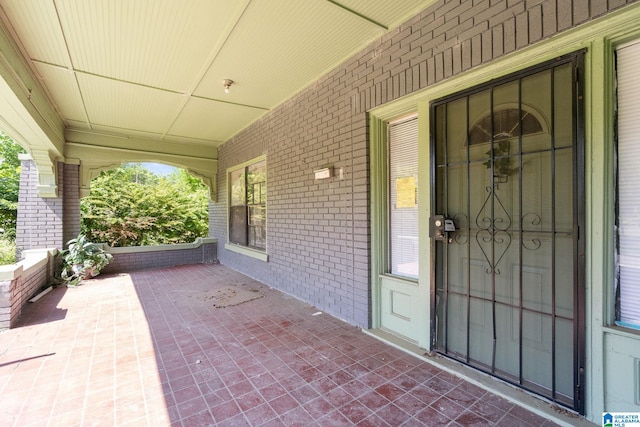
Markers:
point(238, 208)
point(256, 202)
point(628, 183)
point(403, 198)
point(248, 205)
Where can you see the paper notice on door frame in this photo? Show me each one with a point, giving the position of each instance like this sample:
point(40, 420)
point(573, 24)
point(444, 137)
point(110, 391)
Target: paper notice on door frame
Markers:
point(406, 192)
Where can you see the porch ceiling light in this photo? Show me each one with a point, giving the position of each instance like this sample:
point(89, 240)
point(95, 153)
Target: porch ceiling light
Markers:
point(227, 85)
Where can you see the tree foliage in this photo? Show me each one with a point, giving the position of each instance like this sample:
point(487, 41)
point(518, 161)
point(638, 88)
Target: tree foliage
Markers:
point(132, 206)
point(9, 184)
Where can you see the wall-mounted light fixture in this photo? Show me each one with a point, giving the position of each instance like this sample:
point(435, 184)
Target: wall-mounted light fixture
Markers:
point(227, 85)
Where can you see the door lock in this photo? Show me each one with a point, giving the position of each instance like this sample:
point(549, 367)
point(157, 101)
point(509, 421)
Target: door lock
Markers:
point(439, 226)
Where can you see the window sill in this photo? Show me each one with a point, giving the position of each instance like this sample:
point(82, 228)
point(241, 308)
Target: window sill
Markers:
point(397, 278)
point(623, 331)
point(253, 253)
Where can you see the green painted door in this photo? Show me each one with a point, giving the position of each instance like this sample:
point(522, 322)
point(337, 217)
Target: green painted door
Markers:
point(401, 305)
point(507, 283)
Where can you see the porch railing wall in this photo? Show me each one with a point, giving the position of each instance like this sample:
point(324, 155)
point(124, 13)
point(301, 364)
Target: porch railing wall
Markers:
point(202, 251)
point(20, 282)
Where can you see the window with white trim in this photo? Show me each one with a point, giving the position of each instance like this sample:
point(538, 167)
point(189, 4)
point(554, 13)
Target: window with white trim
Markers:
point(403, 198)
point(248, 205)
point(628, 184)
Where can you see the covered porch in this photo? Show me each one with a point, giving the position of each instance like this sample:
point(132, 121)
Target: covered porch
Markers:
point(151, 348)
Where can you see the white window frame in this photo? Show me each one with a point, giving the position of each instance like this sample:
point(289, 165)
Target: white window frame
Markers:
point(627, 292)
point(400, 175)
point(237, 247)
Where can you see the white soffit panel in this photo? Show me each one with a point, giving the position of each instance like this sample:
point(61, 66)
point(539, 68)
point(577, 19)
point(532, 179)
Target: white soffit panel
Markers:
point(127, 106)
point(135, 63)
point(63, 88)
point(281, 46)
point(385, 12)
point(160, 43)
point(47, 43)
point(212, 120)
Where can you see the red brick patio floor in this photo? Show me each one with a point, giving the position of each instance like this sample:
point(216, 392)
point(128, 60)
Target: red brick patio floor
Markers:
point(140, 349)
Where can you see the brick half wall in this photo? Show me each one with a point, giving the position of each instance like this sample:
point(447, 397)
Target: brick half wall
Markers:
point(20, 282)
point(202, 251)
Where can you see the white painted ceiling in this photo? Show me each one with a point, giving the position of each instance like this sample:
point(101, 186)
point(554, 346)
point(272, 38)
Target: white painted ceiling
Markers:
point(155, 68)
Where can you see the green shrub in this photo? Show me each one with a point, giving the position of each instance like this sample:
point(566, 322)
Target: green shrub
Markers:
point(7, 252)
point(131, 206)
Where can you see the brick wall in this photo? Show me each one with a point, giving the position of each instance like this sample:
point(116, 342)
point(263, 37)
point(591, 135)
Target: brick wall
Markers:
point(23, 289)
point(71, 201)
point(202, 251)
point(40, 221)
point(19, 283)
point(318, 231)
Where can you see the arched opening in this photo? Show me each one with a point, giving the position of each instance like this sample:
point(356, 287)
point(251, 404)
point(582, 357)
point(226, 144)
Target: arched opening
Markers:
point(145, 204)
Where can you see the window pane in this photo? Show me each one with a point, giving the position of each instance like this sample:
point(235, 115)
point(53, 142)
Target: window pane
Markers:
point(257, 229)
point(257, 215)
point(403, 203)
point(257, 183)
point(248, 212)
point(237, 187)
point(238, 225)
point(628, 181)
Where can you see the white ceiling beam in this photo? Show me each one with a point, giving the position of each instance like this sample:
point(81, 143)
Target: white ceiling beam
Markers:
point(27, 115)
point(359, 15)
point(89, 138)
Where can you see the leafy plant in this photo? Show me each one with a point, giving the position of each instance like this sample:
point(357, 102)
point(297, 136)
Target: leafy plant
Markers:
point(7, 251)
point(9, 183)
point(131, 206)
point(82, 260)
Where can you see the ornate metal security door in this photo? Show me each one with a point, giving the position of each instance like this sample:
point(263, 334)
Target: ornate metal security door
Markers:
point(507, 290)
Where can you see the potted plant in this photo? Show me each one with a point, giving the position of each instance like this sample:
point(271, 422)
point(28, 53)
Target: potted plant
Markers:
point(82, 260)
